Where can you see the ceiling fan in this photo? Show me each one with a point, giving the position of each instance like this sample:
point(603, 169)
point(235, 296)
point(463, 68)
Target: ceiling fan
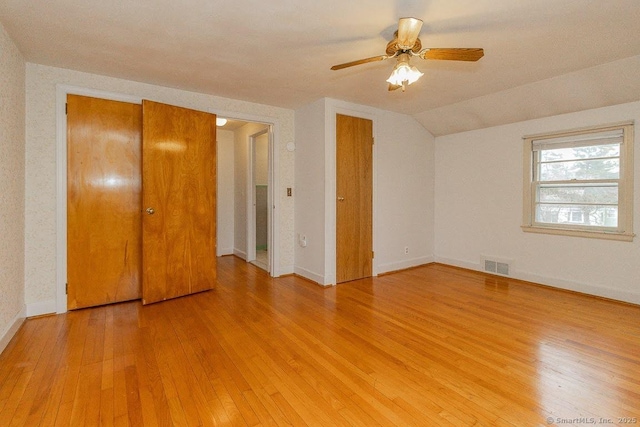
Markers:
point(406, 44)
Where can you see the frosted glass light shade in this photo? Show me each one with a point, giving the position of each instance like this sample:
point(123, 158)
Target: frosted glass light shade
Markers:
point(404, 73)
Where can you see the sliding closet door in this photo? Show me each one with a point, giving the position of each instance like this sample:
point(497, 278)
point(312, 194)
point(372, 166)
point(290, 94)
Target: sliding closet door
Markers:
point(103, 201)
point(178, 201)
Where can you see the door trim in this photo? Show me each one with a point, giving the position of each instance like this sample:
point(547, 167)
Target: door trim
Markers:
point(274, 182)
point(331, 187)
point(61, 178)
point(251, 194)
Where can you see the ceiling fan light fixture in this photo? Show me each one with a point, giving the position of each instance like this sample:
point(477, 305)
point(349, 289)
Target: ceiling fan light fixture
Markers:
point(404, 73)
point(405, 44)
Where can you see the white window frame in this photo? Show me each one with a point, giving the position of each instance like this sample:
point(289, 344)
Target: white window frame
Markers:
point(624, 231)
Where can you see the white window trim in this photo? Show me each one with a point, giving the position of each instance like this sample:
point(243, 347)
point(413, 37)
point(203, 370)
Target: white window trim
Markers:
point(625, 188)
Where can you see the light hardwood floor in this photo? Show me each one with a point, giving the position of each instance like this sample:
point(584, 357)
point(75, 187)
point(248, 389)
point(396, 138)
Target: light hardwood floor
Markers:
point(429, 346)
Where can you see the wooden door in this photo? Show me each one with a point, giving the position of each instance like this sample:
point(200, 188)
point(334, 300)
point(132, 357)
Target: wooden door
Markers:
point(179, 201)
point(103, 201)
point(354, 207)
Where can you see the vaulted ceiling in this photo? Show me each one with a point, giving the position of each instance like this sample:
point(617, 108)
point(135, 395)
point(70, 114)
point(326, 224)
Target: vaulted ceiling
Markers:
point(542, 57)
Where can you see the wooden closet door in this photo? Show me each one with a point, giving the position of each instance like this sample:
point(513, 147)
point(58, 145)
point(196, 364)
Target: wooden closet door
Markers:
point(179, 201)
point(354, 207)
point(103, 201)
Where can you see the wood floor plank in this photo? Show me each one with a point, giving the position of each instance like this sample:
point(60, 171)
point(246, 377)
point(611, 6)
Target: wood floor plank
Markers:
point(106, 407)
point(30, 409)
point(226, 379)
point(49, 387)
point(434, 346)
point(258, 407)
point(152, 398)
point(86, 410)
point(14, 399)
point(120, 406)
point(62, 413)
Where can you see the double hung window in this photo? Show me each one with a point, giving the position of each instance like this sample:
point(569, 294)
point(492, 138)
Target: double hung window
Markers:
point(580, 182)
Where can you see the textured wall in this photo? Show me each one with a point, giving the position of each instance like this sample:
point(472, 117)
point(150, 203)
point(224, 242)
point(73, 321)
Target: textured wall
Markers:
point(12, 112)
point(41, 81)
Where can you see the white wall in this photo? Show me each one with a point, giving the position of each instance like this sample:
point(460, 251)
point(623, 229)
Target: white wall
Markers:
point(40, 225)
point(405, 175)
point(12, 165)
point(478, 203)
point(403, 189)
point(262, 159)
point(309, 192)
point(225, 192)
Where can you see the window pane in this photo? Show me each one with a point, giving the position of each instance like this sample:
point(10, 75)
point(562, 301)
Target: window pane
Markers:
point(584, 215)
point(574, 153)
point(579, 194)
point(580, 169)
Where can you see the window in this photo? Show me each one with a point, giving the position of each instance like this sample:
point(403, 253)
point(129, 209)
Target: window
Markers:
point(580, 182)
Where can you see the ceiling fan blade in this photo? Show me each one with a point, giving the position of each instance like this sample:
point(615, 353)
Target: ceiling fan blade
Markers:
point(453, 54)
point(394, 87)
point(360, 61)
point(408, 32)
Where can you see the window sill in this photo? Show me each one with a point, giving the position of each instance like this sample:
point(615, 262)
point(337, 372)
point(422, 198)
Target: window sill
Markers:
point(607, 235)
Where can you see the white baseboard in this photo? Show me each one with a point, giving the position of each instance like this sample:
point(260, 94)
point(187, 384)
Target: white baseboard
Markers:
point(616, 294)
point(240, 254)
point(41, 307)
point(314, 277)
point(458, 263)
point(224, 251)
point(404, 264)
point(286, 269)
point(11, 330)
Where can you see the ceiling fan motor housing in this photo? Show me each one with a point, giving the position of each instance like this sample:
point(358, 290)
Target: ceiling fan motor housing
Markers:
point(393, 48)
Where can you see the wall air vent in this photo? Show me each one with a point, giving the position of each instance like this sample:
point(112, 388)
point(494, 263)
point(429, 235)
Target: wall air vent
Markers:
point(495, 266)
point(490, 266)
point(502, 268)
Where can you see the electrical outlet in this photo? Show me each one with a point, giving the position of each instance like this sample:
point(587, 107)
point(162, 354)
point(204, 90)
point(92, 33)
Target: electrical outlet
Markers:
point(406, 250)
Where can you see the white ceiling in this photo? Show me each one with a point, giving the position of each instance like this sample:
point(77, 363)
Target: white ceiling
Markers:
point(542, 57)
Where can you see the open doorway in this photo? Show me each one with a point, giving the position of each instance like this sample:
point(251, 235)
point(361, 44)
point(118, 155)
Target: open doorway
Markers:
point(259, 214)
point(245, 191)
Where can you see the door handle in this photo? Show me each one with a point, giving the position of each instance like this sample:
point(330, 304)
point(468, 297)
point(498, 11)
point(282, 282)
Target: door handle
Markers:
point(150, 211)
point(341, 199)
